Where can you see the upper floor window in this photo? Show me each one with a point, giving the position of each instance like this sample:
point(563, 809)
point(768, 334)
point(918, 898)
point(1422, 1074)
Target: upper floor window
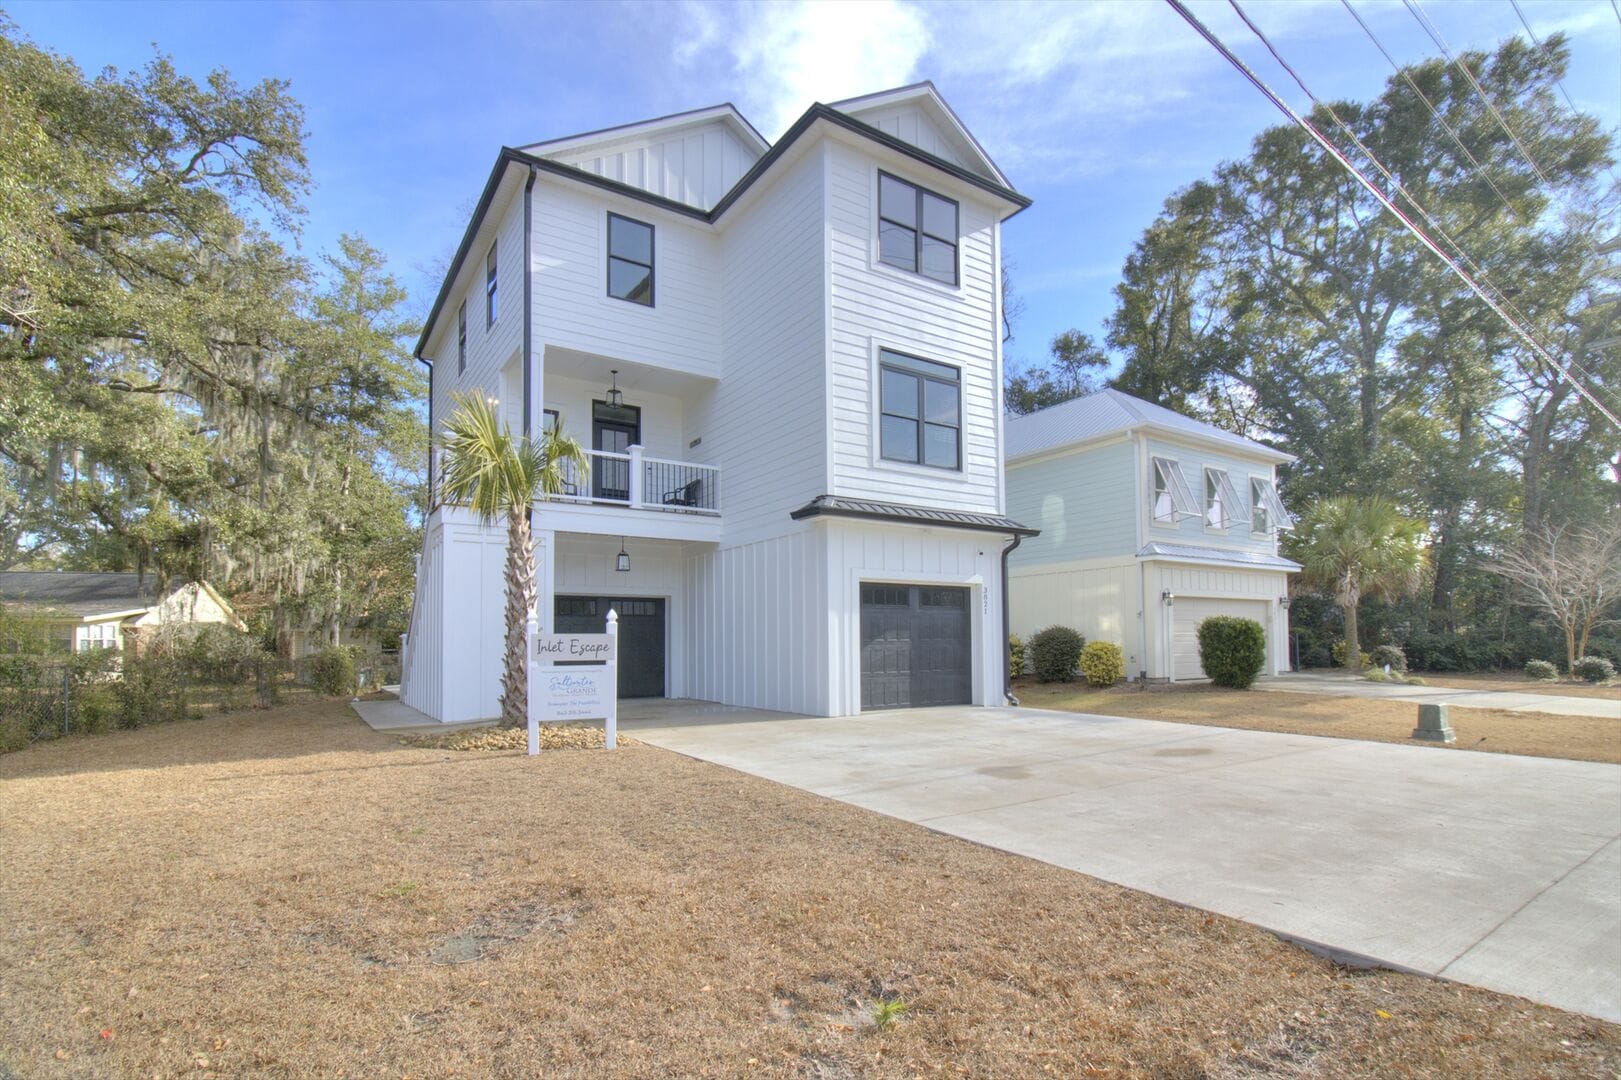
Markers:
point(489, 287)
point(920, 411)
point(630, 260)
point(1173, 499)
point(461, 339)
point(917, 230)
point(1267, 513)
point(1222, 506)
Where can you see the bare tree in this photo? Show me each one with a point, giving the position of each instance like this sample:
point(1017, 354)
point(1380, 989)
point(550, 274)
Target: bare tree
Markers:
point(1572, 574)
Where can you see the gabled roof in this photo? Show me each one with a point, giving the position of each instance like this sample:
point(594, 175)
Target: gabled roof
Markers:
point(725, 112)
point(77, 593)
point(511, 156)
point(926, 97)
point(1111, 412)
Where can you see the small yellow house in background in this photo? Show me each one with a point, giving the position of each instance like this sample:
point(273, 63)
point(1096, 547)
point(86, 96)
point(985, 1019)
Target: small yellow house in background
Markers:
point(84, 611)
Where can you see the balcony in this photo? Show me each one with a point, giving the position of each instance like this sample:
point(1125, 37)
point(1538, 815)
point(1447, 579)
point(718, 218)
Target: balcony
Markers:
point(641, 482)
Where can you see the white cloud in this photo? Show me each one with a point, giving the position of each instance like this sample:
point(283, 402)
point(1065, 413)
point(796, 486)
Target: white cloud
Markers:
point(784, 56)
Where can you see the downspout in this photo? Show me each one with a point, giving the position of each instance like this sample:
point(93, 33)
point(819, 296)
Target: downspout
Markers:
point(1007, 627)
point(528, 303)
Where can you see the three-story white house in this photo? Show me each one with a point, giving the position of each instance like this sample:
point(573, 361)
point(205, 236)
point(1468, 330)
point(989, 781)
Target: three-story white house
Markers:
point(1150, 522)
point(785, 361)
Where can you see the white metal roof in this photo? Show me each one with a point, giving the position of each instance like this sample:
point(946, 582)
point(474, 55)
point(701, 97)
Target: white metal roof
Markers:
point(1258, 559)
point(1111, 412)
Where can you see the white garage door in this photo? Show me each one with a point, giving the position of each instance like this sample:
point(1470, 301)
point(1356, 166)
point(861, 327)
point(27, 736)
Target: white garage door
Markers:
point(1189, 612)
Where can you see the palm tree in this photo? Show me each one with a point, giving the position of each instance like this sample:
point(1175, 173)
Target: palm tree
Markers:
point(1357, 549)
point(494, 474)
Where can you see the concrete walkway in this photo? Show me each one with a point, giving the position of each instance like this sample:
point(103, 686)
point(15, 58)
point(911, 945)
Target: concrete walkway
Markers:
point(1339, 685)
point(398, 718)
point(1500, 871)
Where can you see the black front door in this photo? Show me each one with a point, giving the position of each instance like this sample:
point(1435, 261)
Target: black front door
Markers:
point(641, 636)
point(916, 646)
point(615, 430)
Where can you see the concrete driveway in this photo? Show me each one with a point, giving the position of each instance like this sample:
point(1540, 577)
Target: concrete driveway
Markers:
point(1500, 871)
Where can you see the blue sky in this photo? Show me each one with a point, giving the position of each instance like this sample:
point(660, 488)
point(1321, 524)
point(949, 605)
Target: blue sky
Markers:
point(1097, 111)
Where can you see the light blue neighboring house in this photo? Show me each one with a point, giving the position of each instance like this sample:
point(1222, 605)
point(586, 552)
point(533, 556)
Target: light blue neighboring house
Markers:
point(1150, 522)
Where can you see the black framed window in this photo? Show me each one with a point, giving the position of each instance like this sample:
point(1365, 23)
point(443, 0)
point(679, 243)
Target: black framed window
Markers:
point(489, 287)
point(920, 411)
point(630, 260)
point(917, 230)
point(461, 338)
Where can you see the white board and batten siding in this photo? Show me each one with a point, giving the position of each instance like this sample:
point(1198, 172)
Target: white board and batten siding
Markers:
point(860, 552)
point(457, 640)
point(1202, 591)
point(876, 307)
point(909, 123)
point(1099, 597)
point(693, 165)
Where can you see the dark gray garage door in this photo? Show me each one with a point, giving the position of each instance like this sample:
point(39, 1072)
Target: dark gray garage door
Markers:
point(915, 646)
point(641, 636)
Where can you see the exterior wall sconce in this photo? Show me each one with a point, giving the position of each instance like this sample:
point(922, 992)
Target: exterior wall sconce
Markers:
point(622, 560)
point(616, 398)
point(1283, 602)
point(1168, 596)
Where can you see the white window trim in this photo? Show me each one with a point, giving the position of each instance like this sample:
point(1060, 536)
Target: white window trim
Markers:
point(878, 266)
point(1234, 511)
point(1280, 518)
point(957, 477)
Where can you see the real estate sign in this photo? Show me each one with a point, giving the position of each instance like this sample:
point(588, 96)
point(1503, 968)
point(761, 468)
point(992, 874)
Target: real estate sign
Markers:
point(574, 677)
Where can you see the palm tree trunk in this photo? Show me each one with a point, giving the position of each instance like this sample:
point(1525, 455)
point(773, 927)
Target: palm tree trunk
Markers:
point(1353, 647)
point(520, 574)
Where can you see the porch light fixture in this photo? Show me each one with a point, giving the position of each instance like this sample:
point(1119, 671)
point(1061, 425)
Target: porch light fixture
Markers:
point(1168, 596)
point(622, 560)
point(1283, 602)
point(615, 400)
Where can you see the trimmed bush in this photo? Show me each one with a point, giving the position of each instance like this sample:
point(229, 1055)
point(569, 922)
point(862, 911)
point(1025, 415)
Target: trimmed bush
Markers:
point(1232, 650)
point(1102, 663)
point(1414, 680)
point(1338, 652)
point(333, 672)
point(1593, 669)
point(1055, 652)
point(1378, 675)
point(1015, 648)
point(1541, 671)
point(1389, 654)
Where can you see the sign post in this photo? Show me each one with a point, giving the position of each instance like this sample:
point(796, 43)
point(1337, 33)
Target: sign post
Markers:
point(586, 689)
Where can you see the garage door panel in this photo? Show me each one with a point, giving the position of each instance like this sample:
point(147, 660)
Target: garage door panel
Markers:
point(1186, 615)
point(915, 646)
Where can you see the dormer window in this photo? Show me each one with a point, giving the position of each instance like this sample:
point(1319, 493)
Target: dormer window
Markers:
point(630, 260)
point(917, 230)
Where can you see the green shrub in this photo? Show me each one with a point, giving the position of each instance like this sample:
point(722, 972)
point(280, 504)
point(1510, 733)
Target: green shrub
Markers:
point(1391, 655)
point(1414, 680)
point(1378, 675)
point(1593, 669)
point(1450, 651)
point(1338, 652)
point(1055, 652)
point(1015, 648)
point(1232, 650)
point(1102, 663)
point(1541, 671)
point(333, 671)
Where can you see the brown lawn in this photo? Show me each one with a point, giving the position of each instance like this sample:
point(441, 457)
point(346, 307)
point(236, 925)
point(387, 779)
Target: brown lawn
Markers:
point(1579, 738)
point(287, 894)
point(1519, 684)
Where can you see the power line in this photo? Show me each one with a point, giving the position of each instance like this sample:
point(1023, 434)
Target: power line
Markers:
point(1283, 106)
point(1457, 139)
point(1557, 80)
point(1457, 248)
point(1435, 36)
